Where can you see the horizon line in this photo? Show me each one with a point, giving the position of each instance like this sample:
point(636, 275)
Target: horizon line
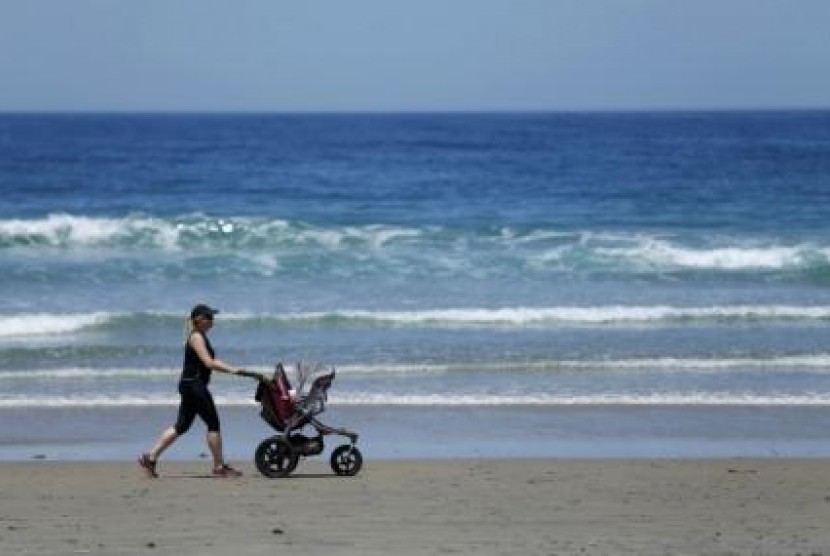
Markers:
point(405, 111)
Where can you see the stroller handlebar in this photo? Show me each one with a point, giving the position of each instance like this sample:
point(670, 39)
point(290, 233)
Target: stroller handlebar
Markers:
point(251, 374)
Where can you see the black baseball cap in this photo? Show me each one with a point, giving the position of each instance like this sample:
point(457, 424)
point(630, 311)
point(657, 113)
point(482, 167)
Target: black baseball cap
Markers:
point(202, 310)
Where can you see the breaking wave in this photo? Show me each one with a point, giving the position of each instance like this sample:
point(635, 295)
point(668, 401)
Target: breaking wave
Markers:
point(46, 324)
point(32, 325)
point(72, 232)
point(529, 316)
point(266, 246)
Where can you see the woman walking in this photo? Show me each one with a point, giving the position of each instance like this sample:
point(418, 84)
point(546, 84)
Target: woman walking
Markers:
point(196, 399)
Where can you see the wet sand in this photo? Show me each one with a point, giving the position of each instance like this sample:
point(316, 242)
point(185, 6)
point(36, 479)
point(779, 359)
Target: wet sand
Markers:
point(739, 506)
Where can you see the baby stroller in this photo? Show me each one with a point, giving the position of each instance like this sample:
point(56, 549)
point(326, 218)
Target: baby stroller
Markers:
point(289, 412)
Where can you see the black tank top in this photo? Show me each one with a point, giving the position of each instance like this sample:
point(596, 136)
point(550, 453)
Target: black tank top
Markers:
point(193, 368)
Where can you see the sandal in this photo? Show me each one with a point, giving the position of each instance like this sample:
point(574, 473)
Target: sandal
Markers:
point(148, 465)
point(226, 472)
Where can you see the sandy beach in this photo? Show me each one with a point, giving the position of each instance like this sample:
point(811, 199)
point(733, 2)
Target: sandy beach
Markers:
point(739, 506)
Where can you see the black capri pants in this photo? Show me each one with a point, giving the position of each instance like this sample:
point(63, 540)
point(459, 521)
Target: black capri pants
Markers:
point(196, 400)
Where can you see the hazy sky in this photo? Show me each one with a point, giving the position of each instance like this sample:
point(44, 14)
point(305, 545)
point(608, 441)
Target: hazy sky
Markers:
point(286, 55)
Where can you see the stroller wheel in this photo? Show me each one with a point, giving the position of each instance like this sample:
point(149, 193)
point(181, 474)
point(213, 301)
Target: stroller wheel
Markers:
point(275, 457)
point(346, 460)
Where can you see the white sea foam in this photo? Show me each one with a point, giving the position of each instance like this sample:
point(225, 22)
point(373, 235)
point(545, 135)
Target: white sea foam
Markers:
point(819, 361)
point(68, 230)
point(544, 400)
point(421, 249)
point(538, 236)
point(649, 253)
point(333, 238)
point(587, 315)
point(87, 373)
point(91, 401)
point(699, 399)
point(60, 228)
point(45, 324)
point(39, 324)
point(812, 362)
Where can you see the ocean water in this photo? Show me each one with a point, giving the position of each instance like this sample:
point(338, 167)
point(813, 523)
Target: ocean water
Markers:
point(588, 284)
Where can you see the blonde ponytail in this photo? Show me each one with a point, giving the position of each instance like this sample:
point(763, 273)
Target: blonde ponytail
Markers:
point(189, 327)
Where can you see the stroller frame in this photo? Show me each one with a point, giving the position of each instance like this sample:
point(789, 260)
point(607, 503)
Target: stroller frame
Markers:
point(278, 456)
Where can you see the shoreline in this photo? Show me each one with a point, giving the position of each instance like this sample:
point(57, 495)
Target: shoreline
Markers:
point(439, 433)
point(412, 507)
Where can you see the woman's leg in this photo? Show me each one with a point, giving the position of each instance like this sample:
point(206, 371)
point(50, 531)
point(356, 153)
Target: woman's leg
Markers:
point(184, 420)
point(168, 437)
point(148, 460)
point(214, 441)
point(206, 409)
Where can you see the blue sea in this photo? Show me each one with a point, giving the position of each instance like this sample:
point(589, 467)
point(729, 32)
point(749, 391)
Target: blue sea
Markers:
point(642, 284)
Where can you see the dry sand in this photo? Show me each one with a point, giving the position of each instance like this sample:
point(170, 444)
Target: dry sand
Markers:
point(514, 507)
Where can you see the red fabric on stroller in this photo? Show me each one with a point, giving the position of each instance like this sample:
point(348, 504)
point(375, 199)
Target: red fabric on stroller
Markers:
point(275, 397)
